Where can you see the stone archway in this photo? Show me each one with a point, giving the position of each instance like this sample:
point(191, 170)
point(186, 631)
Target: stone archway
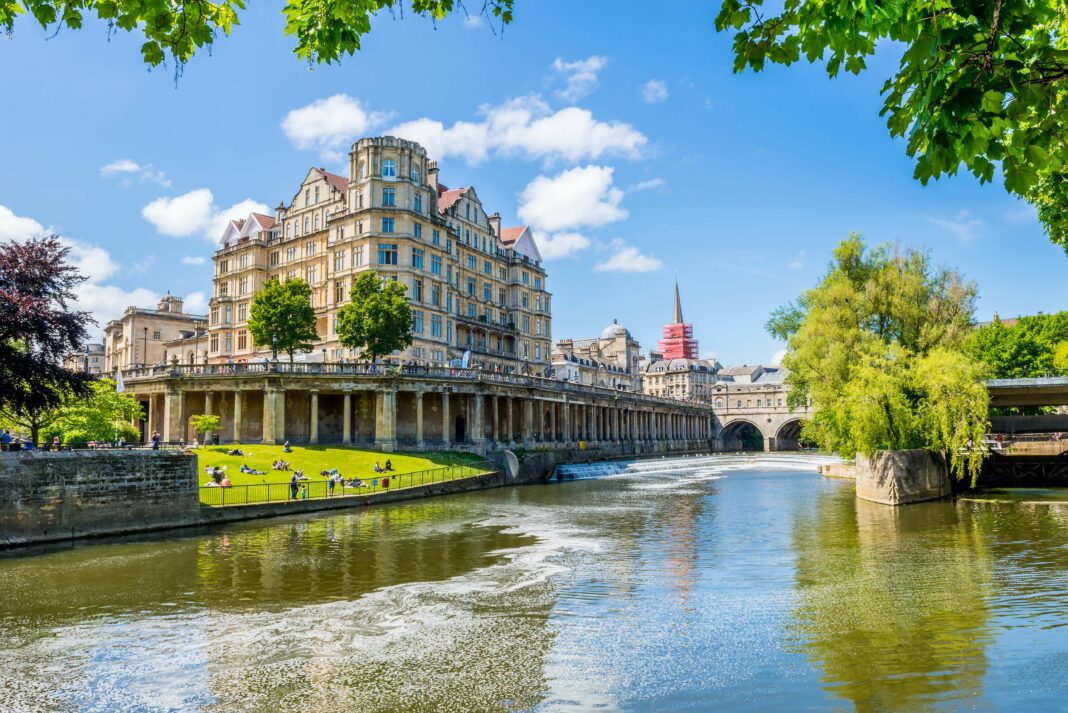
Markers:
point(741, 435)
point(788, 437)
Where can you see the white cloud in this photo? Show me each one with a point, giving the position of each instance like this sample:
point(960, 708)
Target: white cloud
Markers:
point(329, 125)
point(196, 212)
point(104, 302)
point(473, 22)
point(798, 262)
point(126, 167)
point(962, 225)
point(627, 258)
point(195, 303)
point(647, 185)
point(580, 77)
point(560, 245)
point(575, 198)
point(526, 127)
point(194, 260)
point(777, 357)
point(654, 91)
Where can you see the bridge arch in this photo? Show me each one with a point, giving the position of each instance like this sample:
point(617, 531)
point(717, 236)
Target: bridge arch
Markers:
point(788, 435)
point(741, 435)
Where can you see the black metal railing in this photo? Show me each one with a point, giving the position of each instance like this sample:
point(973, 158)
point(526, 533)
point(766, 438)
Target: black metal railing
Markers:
point(319, 487)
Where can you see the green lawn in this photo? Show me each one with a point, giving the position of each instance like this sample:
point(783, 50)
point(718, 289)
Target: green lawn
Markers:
point(408, 470)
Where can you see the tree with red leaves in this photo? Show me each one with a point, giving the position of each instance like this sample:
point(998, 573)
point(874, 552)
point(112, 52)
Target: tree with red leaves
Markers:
point(37, 329)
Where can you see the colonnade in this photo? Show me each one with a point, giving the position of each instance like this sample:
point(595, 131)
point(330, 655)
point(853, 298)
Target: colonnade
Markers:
point(420, 417)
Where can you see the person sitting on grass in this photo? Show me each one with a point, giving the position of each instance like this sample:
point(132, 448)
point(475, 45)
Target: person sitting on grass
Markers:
point(378, 468)
point(286, 448)
point(389, 465)
point(252, 471)
point(355, 483)
point(280, 465)
point(225, 483)
point(235, 452)
point(299, 475)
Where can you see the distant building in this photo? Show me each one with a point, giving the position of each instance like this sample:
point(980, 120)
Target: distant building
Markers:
point(611, 360)
point(678, 341)
point(89, 360)
point(675, 371)
point(140, 336)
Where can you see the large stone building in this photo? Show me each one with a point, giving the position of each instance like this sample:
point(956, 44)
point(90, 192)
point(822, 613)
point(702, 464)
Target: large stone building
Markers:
point(140, 336)
point(611, 360)
point(478, 291)
point(675, 371)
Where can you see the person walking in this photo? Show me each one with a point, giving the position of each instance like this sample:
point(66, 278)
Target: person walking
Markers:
point(5, 440)
point(294, 486)
point(155, 440)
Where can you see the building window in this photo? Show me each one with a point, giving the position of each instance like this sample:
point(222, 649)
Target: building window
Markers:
point(339, 260)
point(435, 237)
point(417, 322)
point(307, 196)
point(417, 258)
point(435, 295)
point(213, 343)
point(526, 278)
point(417, 290)
point(487, 291)
point(387, 254)
point(227, 314)
point(242, 286)
point(274, 258)
point(306, 225)
point(242, 340)
point(389, 197)
point(315, 221)
point(417, 230)
point(155, 334)
point(242, 312)
point(418, 203)
point(214, 315)
point(389, 168)
point(387, 225)
point(357, 257)
point(242, 261)
point(414, 173)
point(291, 254)
point(339, 292)
point(472, 262)
point(435, 264)
point(309, 249)
point(487, 268)
point(311, 276)
point(471, 286)
point(317, 194)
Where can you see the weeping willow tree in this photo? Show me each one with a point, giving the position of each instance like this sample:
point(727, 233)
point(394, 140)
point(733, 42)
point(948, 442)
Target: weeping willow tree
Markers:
point(877, 348)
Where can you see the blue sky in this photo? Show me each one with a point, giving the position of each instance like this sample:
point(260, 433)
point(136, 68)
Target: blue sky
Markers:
point(625, 138)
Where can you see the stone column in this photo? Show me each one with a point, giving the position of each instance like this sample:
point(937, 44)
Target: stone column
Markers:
point(346, 419)
point(313, 433)
point(478, 427)
point(267, 435)
point(496, 420)
point(238, 403)
point(509, 415)
point(552, 421)
point(386, 419)
point(566, 426)
point(446, 432)
point(528, 421)
point(279, 415)
point(150, 418)
point(172, 416)
point(419, 418)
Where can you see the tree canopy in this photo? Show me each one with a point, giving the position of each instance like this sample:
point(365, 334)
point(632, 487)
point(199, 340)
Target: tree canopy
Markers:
point(1025, 349)
point(325, 30)
point(876, 346)
point(282, 316)
point(38, 329)
point(378, 319)
point(979, 85)
point(103, 415)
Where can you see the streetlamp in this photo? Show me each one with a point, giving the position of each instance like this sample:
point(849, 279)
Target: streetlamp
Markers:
point(274, 346)
point(144, 359)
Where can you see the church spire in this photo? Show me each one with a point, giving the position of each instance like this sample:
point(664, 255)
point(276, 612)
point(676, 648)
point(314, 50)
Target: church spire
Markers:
point(677, 318)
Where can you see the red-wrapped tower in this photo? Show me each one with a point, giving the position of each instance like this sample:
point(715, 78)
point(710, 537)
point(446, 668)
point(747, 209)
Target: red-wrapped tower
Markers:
point(678, 341)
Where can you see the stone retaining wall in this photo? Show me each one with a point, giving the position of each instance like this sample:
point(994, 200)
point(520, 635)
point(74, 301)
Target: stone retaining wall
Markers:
point(59, 496)
point(902, 477)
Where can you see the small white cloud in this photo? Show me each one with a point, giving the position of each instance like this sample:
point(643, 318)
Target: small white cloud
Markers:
point(798, 262)
point(528, 127)
point(129, 169)
point(195, 212)
point(627, 258)
point(194, 260)
point(654, 91)
point(195, 303)
point(473, 22)
point(962, 225)
point(560, 245)
point(329, 125)
point(578, 197)
point(777, 357)
point(580, 77)
point(17, 227)
point(646, 185)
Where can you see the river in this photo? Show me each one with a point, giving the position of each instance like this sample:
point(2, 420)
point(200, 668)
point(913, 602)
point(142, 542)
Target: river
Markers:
point(735, 583)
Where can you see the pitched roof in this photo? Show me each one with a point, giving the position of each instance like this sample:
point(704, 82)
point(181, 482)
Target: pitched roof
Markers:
point(266, 222)
point(338, 182)
point(447, 198)
point(510, 235)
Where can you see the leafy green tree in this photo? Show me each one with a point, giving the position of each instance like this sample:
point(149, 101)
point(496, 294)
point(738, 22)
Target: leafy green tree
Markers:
point(1025, 349)
point(876, 347)
point(104, 415)
point(1060, 358)
point(378, 319)
point(282, 317)
point(205, 423)
point(979, 85)
point(324, 31)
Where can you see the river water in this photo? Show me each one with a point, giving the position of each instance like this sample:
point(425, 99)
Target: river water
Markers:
point(727, 583)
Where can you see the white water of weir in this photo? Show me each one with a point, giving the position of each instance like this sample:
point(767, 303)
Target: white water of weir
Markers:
point(700, 467)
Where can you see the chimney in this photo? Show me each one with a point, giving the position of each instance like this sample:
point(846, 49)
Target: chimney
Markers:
point(495, 224)
point(432, 174)
point(280, 212)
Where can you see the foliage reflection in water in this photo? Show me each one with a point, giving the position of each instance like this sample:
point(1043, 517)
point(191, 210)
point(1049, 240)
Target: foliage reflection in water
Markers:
point(734, 582)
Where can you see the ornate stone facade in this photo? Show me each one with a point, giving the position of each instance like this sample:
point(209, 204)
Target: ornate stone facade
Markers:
point(140, 335)
point(611, 360)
